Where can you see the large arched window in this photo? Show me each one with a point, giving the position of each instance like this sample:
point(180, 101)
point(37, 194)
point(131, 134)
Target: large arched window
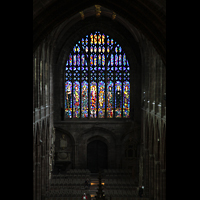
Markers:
point(97, 79)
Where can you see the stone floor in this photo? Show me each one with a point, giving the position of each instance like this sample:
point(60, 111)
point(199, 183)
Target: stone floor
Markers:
point(115, 187)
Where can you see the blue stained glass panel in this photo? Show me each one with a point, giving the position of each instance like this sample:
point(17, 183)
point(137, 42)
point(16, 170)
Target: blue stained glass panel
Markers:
point(112, 59)
point(116, 59)
point(124, 59)
point(82, 59)
point(120, 59)
point(95, 59)
point(99, 59)
point(78, 60)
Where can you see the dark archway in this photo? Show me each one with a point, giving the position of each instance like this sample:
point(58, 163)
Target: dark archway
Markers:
point(97, 156)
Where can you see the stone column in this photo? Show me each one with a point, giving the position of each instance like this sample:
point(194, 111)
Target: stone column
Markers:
point(163, 184)
point(146, 173)
point(151, 177)
point(157, 181)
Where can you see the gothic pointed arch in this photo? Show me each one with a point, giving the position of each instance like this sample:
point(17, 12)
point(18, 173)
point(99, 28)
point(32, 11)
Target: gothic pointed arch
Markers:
point(98, 129)
point(97, 79)
point(58, 129)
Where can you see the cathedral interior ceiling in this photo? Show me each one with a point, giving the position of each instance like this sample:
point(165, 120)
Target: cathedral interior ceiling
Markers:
point(139, 17)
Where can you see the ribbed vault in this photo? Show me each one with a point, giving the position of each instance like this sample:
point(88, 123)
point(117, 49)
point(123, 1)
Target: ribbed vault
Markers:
point(148, 16)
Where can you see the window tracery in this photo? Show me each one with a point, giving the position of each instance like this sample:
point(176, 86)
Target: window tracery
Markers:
point(97, 79)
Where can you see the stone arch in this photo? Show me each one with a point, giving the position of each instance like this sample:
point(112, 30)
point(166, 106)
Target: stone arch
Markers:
point(104, 135)
point(65, 132)
point(97, 153)
point(99, 129)
point(69, 150)
point(129, 139)
point(64, 47)
point(97, 137)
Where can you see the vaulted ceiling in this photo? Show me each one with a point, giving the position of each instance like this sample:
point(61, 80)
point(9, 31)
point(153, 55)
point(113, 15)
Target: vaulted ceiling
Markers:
point(140, 17)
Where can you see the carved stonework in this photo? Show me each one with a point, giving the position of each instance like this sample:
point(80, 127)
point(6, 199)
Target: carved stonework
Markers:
point(63, 142)
point(64, 156)
point(98, 10)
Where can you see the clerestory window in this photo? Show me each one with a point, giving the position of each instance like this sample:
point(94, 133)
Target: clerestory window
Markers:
point(97, 79)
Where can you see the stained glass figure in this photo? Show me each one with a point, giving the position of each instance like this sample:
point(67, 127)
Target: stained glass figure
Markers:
point(124, 59)
point(126, 99)
point(78, 60)
point(120, 59)
point(82, 41)
point(70, 60)
point(68, 99)
point(76, 99)
point(95, 39)
point(95, 59)
point(103, 38)
point(110, 99)
point(84, 99)
point(101, 102)
point(91, 39)
point(112, 59)
point(82, 59)
point(118, 99)
point(103, 59)
point(74, 49)
point(108, 49)
point(108, 41)
point(91, 49)
point(74, 63)
point(91, 60)
point(86, 49)
point(86, 41)
point(111, 41)
point(99, 39)
point(95, 49)
point(116, 59)
point(93, 99)
point(99, 59)
point(103, 49)
point(99, 49)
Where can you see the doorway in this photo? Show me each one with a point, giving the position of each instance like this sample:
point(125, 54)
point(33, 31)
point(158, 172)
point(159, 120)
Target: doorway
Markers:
point(97, 154)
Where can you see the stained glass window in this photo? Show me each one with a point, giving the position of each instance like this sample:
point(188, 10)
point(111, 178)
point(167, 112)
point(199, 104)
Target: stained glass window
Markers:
point(97, 79)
